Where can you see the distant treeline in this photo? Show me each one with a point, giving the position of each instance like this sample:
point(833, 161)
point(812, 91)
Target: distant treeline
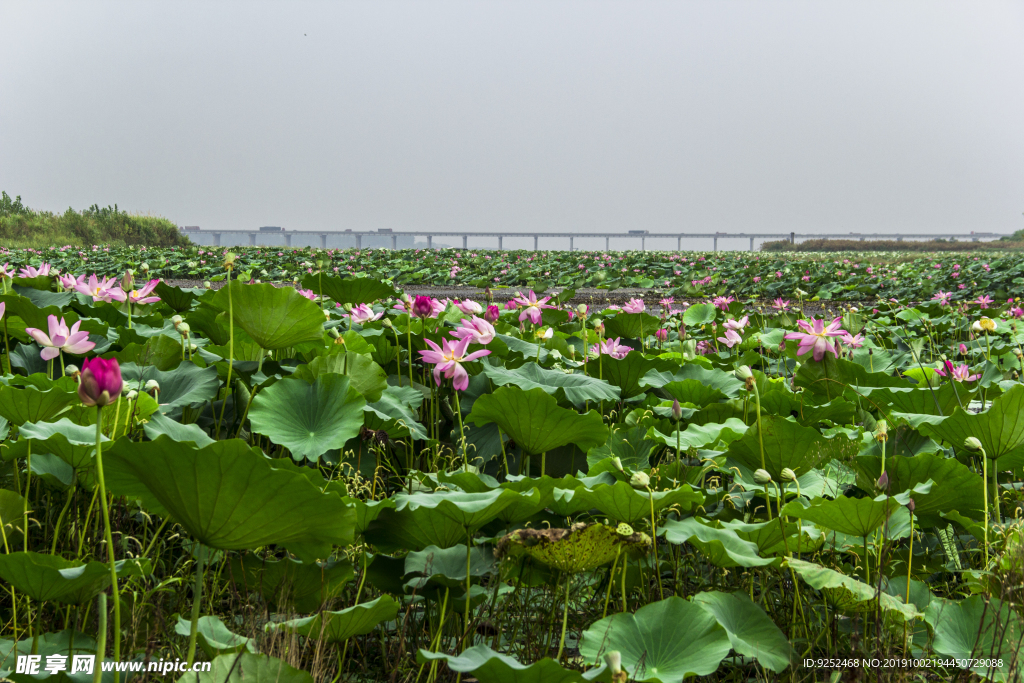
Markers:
point(1016, 241)
point(21, 226)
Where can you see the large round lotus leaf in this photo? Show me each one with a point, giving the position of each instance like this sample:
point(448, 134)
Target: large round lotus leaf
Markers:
point(623, 503)
point(579, 548)
point(702, 435)
point(787, 444)
point(275, 317)
point(394, 530)
point(1000, 429)
point(214, 637)
point(627, 373)
point(631, 325)
point(349, 290)
point(67, 643)
point(446, 567)
point(471, 510)
point(30, 404)
point(535, 421)
point(159, 423)
point(337, 627)
point(847, 594)
point(631, 446)
point(978, 627)
point(245, 667)
point(72, 443)
point(665, 641)
point(369, 510)
point(699, 314)
point(954, 486)
point(306, 586)
point(576, 389)
point(488, 666)
point(186, 384)
point(49, 577)
point(228, 496)
point(720, 381)
point(12, 509)
point(752, 633)
point(853, 516)
point(723, 547)
point(309, 419)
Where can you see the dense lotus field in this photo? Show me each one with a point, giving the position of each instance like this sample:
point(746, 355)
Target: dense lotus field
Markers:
point(340, 483)
point(853, 277)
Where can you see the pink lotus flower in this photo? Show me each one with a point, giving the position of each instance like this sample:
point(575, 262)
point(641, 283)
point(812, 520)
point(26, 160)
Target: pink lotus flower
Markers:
point(722, 302)
point(661, 335)
point(611, 347)
point(942, 297)
point(469, 307)
point(737, 325)
point(1016, 312)
point(100, 383)
point(97, 289)
point(363, 314)
point(531, 306)
point(426, 307)
point(815, 336)
point(4, 272)
point(308, 293)
point(731, 338)
point(959, 373)
point(477, 329)
point(31, 271)
point(780, 305)
point(667, 302)
point(983, 301)
point(854, 341)
point(61, 339)
point(3, 307)
point(141, 296)
point(448, 359)
point(492, 313)
point(634, 306)
point(69, 282)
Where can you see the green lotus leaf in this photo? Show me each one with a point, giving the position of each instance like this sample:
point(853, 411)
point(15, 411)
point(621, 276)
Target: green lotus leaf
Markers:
point(246, 667)
point(66, 643)
point(394, 530)
point(214, 637)
point(723, 547)
point(702, 435)
point(954, 486)
point(682, 379)
point(1000, 429)
point(395, 411)
point(446, 567)
point(535, 421)
point(577, 389)
point(12, 508)
point(368, 378)
point(72, 443)
point(160, 352)
point(337, 627)
point(848, 594)
point(275, 317)
point(470, 510)
point(349, 290)
point(369, 510)
point(50, 577)
point(228, 496)
point(631, 446)
point(305, 586)
point(488, 666)
point(187, 384)
point(627, 373)
point(161, 424)
point(664, 641)
point(699, 314)
point(579, 548)
point(631, 325)
point(787, 444)
point(853, 516)
point(978, 627)
point(180, 300)
point(623, 503)
point(309, 419)
point(30, 404)
point(752, 633)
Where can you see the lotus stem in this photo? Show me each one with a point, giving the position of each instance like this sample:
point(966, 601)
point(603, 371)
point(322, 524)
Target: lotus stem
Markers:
point(101, 637)
point(565, 618)
point(995, 491)
point(867, 567)
point(231, 355)
point(7, 349)
point(462, 433)
point(760, 444)
point(28, 488)
point(469, 585)
point(197, 600)
point(611, 580)
point(109, 537)
point(654, 541)
point(984, 485)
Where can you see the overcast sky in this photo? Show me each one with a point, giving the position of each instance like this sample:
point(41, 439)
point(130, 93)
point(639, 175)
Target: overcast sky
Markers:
point(600, 116)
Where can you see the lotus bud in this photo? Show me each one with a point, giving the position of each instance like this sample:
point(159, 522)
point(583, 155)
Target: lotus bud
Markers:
point(911, 506)
point(882, 431)
point(762, 477)
point(787, 475)
point(386, 322)
point(613, 660)
point(100, 383)
point(972, 444)
point(347, 307)
point(661, 335)
point(963, 349)
point(127, 282)
point(152, 385)
point(640, 480)
point(677, 410)
point(883, 482)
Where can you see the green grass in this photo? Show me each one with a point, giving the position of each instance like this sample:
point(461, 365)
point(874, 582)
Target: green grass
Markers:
point(22, 227)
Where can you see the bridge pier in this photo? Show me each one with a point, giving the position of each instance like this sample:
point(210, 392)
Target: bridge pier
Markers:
point(570, 242)
point(216, 239)
point(500, 237)
point(751, 244)
point(607, 242)
point(535, 238)
point(465, 241)
point(430, 241)
point(394, 242)
point(679, 243)
point(643, 244)
point(359, 241)
point(792, 238)
point(323, 240)
point(716, 244)
point(252, 239)
point(288, 239)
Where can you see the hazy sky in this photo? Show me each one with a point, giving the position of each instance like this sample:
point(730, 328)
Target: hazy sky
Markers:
point(717, 115)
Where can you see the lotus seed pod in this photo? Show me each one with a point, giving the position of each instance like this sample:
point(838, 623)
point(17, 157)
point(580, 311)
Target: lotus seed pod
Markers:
point(987, 324)
point(972, 444)
point(176, 320)
point(787, 475)
point(639, 480)
point(184, 329)
point(144, 267)
point(152, 385)
point(743, 373)
point(132, 395)
point(761, 477)
point(882, 430)
point(347, 306)
point(71, 370)
point(582, 309)
point(624, 529)
point(385, 322)
point(613, 660)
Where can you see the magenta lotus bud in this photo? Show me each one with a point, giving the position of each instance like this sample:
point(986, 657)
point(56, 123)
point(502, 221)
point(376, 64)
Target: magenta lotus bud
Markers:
point(963, 349)
point(511, 305)
point(421, 307)
point(661, 335)
point(910, 505)
point(492, 313)
point(883, 481)
point(100, 383)
point(677, 410)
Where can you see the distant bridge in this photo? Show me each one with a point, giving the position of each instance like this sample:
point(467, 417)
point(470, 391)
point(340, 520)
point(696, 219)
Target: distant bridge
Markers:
point(641, 235)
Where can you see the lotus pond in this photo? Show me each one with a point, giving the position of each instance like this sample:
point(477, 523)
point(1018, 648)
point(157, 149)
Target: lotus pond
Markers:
point(335, 482)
